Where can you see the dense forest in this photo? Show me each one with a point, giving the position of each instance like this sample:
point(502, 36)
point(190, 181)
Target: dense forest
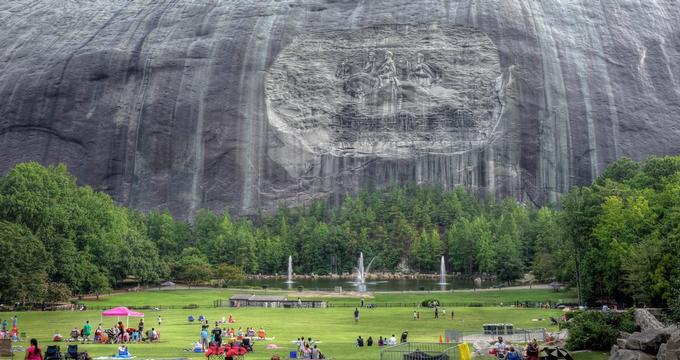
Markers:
point(616, 240)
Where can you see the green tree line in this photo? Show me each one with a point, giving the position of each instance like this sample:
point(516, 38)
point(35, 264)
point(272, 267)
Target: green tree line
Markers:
point(616, 240)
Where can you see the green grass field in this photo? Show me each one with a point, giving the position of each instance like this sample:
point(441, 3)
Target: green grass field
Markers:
point(334, 327)
point(180, 298)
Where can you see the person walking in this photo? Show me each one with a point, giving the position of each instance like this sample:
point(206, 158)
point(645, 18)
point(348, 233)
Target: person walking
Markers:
point(356, 315)
point(160, 320)
point(415, 315)
point(436, 312)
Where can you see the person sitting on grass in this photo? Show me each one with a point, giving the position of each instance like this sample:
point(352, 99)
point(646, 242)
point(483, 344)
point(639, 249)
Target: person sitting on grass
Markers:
point(307, 352)
point(135, 336)
point(123, 352)
point(381, 341)
point(316, 353)
point(512, 354)
point(75, 334)
point(499, 346)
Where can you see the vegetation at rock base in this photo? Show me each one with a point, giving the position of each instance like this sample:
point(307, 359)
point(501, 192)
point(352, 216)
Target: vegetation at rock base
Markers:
point(597, 330)
point(617, 240)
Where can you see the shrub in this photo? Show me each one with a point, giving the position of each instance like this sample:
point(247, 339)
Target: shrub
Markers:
point(430, 303)
point(596, 330)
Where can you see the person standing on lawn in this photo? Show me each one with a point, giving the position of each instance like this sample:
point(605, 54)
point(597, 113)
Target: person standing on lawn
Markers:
point(87, 331)
point(356, 315)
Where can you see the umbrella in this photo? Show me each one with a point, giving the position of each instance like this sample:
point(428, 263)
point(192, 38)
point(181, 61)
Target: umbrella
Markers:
point(556, 352)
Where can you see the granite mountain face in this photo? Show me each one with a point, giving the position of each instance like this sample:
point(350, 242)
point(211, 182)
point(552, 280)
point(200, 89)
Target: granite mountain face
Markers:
point(241, 104)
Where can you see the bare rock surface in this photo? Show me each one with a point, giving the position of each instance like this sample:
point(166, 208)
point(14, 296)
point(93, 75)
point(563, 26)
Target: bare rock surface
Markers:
point(625, 354)
point(240, 104)
point(647, 341)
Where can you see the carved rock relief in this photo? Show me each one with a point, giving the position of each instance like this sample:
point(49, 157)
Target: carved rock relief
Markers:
point(386, 91)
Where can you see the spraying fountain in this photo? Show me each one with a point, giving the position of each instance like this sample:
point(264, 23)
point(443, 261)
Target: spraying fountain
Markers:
point(290, 270)
point(361, 271)
point(442, 274)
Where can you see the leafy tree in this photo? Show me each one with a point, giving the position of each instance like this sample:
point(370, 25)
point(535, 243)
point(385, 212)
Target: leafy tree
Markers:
point(226, 273)
point(25, 262)
point(193, 267)
point(57, 293)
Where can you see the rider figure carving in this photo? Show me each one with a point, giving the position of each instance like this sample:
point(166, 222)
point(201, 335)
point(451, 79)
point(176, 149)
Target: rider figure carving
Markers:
point(423, 73)
point(387, 73)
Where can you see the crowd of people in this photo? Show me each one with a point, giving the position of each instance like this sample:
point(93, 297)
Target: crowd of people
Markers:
point(382, 341)
point(10, 333)
point(117, 334)
point(504, 351)
point(308, 349)
point(223, 339)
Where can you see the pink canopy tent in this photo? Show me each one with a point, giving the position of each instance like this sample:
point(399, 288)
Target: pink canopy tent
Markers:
point(122, 311)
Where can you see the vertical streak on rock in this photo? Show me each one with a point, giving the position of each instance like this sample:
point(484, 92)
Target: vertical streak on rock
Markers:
point(577, 44)
point(253, 114)
point(554, 158)
point(354, 19)
point(139, 112)
point(611, 100)
point(667, 60)
point(136, 152)
point(202, 80)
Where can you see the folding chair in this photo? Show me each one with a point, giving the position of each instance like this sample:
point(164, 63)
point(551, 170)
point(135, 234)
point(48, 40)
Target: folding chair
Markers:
point(6, 348)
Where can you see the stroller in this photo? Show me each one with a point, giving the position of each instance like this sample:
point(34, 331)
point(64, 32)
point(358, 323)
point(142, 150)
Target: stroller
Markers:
point(71, 352)
point(53, 353)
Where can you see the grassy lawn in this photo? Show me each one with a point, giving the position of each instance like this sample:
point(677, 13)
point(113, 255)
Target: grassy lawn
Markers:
point(180, 298)
point(334, 327)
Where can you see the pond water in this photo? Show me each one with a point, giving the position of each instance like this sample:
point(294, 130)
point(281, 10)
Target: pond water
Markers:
point(370, 285)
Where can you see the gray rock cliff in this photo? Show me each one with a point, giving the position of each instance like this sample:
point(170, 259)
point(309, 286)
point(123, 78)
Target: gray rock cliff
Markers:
point(240, 104)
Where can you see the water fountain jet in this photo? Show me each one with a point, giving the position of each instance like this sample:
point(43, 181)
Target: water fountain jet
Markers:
point(290, 270)
point(442, 273)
